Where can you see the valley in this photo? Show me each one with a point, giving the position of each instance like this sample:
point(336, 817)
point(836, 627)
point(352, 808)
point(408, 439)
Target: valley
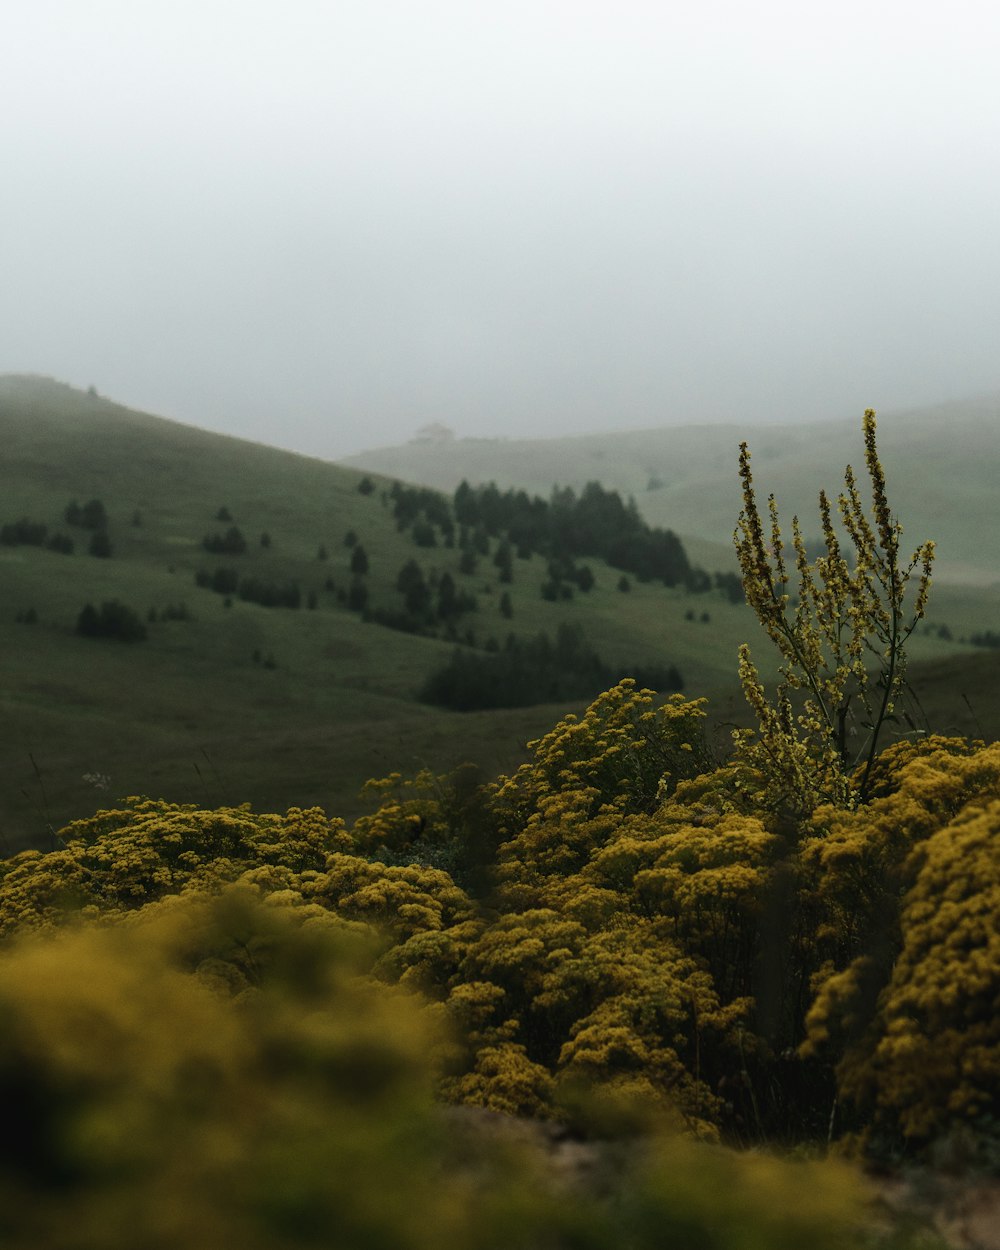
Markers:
point(229, 701)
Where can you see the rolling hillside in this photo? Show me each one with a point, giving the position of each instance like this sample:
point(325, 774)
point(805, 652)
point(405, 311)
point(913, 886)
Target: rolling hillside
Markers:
point(942, 465)
point(197, 711)
point(229, 701)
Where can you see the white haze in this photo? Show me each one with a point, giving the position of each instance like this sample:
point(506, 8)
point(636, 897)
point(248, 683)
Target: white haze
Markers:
point(323, 224)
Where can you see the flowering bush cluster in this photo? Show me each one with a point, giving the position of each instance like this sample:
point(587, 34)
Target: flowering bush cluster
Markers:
point(641, 931)
point(245, 1060)
point(221, 1027)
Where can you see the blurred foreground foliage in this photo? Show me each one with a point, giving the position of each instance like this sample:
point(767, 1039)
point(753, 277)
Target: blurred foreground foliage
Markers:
point(220, 1027)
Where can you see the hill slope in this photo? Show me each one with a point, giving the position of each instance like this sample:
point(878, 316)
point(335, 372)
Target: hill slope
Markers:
point(229, 701)
point(942, 464)
point(197, 711)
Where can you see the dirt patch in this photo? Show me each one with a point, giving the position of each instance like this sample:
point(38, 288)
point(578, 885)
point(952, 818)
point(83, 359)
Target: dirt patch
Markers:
point(963, 1211)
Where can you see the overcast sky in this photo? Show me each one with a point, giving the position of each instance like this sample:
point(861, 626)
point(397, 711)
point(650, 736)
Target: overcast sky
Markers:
point(324, 223)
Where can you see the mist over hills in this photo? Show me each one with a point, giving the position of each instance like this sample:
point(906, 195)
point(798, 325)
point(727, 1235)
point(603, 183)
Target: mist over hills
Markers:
point(942, 463)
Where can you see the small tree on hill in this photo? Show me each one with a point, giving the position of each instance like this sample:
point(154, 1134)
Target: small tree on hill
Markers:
point(100, 544)
point(504, 560)
point(359, 561)
point(413, 586)
point(448, 603)
point(94, 515)
point(230, 543)
point(113, 620)
point(584, 577)
point(88, 622)
point(424, 534)
point(357, 595)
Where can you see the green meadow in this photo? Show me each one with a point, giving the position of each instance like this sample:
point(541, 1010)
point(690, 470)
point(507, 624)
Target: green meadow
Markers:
point(278, 707)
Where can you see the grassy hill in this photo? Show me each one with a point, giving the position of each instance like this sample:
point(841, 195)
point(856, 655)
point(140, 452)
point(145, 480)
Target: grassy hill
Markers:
point(198, 712)
point(189, 714)
point(942, 465)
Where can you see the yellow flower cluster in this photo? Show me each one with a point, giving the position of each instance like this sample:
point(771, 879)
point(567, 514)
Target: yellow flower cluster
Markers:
point(634, 924)
point(220, 1067)
point(127, 857)
point(830, 623)
point(907, 894)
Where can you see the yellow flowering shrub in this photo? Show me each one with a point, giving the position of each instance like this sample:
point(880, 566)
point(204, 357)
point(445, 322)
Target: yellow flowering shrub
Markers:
point(220, 1069)
point(710, 881)
point(644, 1013)
point(502, 1078)
point(153, 1100)
point(410, 809)
point(429, 959)
point(624, 752)
point(38, 890)
point(857, 861)
point(401, 899)
point(558, 839)
point(929, 1058)
point(518, 952)
point(618, 1005)
point(906, 893)
point(148, 848)
point(640, 937)
point(434, 820)
point(831, 620)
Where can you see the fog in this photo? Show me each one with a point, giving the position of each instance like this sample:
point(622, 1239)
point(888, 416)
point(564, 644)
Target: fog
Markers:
point(323, 225)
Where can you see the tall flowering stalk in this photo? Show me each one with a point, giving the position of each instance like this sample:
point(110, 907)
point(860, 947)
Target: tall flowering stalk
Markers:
point(841, 636)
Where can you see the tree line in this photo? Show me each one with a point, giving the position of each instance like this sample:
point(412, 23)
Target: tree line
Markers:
point(527, 671)
point(596, 523)
point(92, 516)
